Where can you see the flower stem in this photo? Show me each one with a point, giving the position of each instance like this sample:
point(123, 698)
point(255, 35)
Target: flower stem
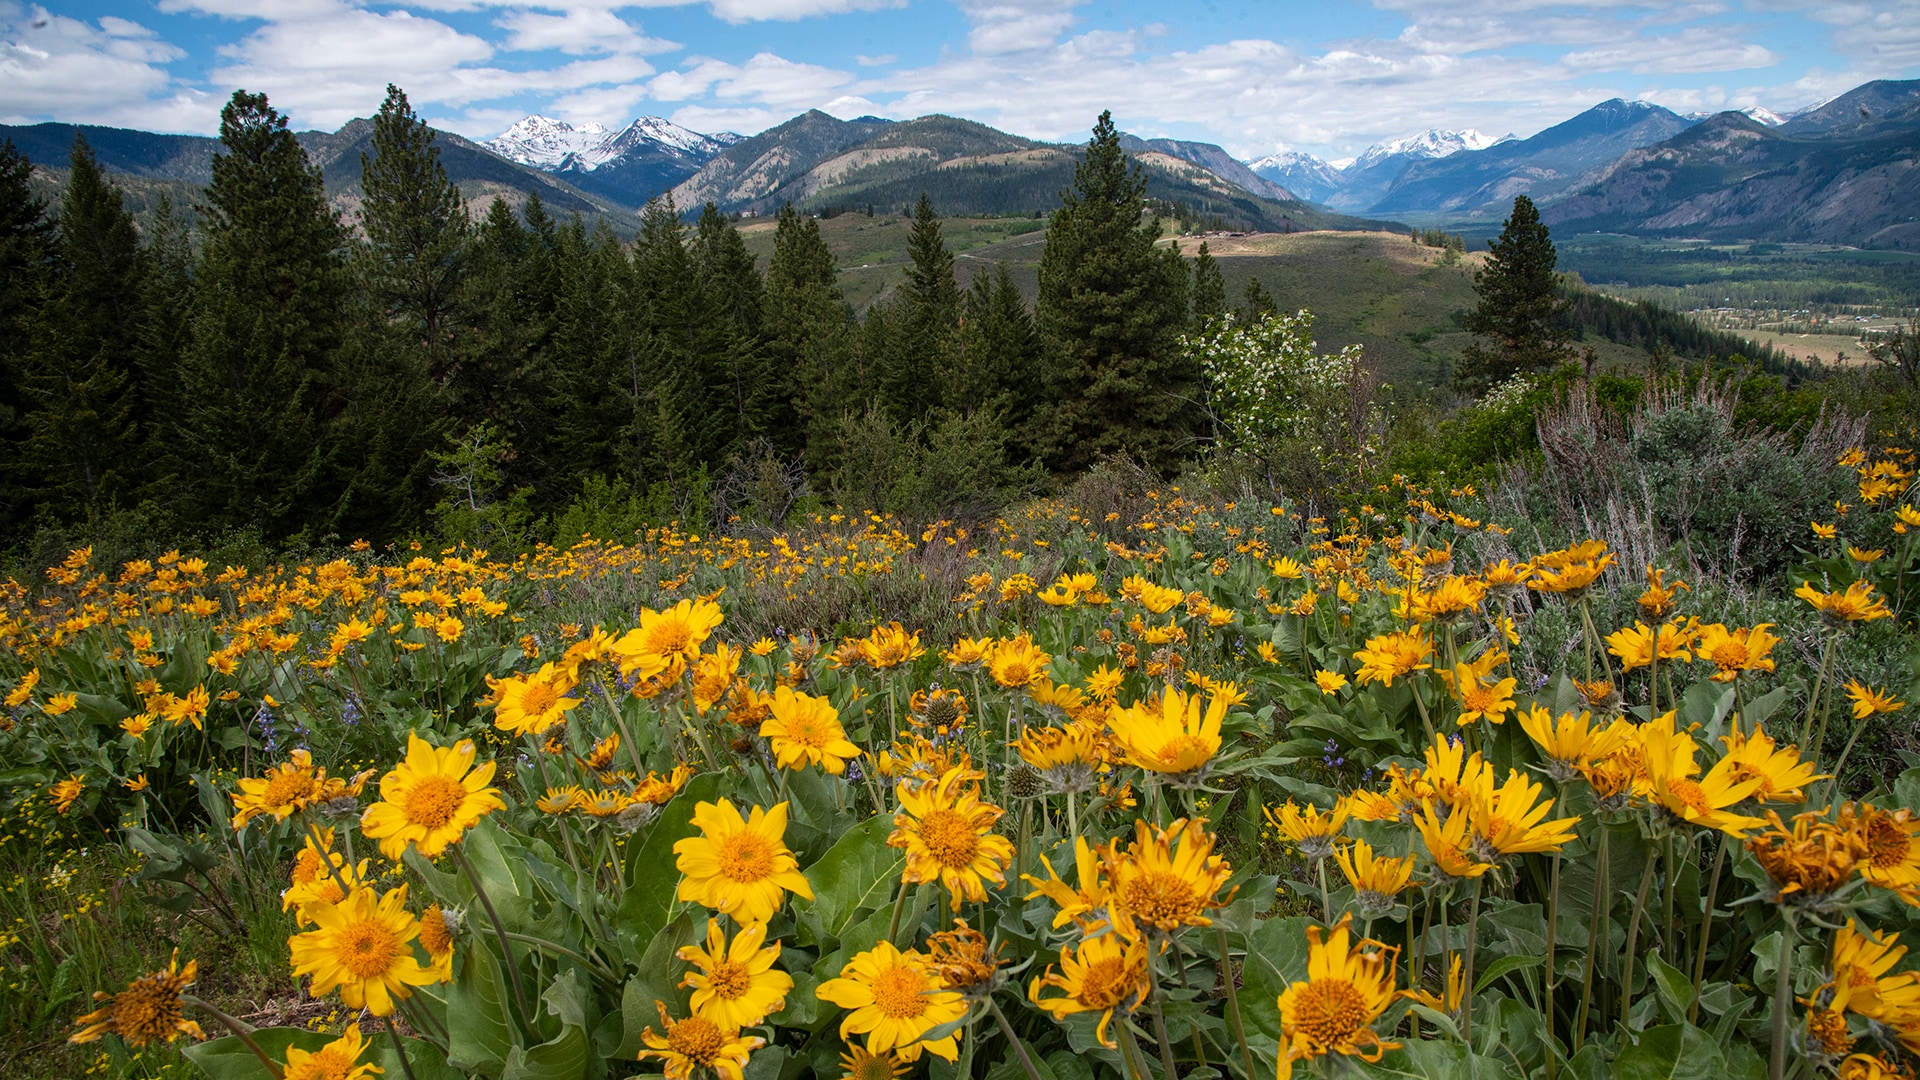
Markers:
point(1813, 703)
point(899, 906)
point(1782, 998)
point(1233, 999)
point(1595, 921)
point(1019, 1048)
point(1706, 929)
point(1473, 934)
point(400, 1049)
point(1633, 933)
point(499, 930)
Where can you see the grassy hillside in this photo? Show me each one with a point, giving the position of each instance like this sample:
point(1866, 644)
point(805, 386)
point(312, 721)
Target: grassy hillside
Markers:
point(1376, 289)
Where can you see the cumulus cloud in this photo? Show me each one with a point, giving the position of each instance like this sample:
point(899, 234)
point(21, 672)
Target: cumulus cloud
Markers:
point(577, 31)
point(113, 71)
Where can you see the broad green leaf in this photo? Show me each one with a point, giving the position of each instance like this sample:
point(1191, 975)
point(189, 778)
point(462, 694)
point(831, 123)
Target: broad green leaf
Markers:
point(423, 1057)
point(481, 1035)
point(859, 873)
point(1675, 986)
point(229, 1059)
point(651, 880)
point(562, 1058)
point(1503, 966)
point(656, 980)
point(1437, 1060)
point(1276, 956)
point(1672, 1052)
point(1906, 790)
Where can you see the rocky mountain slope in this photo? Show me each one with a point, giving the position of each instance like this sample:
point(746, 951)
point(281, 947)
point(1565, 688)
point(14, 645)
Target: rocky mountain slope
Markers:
point(187, 159)
point(1846, 172)
point(646, 158)
point(1487, 180)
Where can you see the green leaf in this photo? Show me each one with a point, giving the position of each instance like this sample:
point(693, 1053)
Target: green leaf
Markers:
point(1672, 1052)
point(1906, 790)
point(1276, 956)
point(1503, 966)
point(859, 873)
point(657, 979)
point(229, 1058)
point(651, 881)
point(1676, 988)
point(561, 1058)
point(425, 1059)
point(1436, 1060)
point(480, 1037)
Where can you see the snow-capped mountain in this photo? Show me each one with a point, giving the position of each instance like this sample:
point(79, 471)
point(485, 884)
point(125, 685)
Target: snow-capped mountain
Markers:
point(646, 158)
point(1432, 143)
point(1762, 114)
point(1303, 174)
point(541, 142)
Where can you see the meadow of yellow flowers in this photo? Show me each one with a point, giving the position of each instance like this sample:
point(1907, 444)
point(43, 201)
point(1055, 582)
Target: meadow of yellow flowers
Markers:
point(1210, 790)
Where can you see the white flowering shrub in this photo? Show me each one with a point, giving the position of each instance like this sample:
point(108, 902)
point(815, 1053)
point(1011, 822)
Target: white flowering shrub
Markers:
point(1274, 393)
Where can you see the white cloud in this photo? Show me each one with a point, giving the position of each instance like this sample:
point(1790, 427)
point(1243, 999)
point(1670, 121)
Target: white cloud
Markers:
point(270, 10)
point(1696, 49)
point(60, 67)
point(576, 32)
point(876, 61)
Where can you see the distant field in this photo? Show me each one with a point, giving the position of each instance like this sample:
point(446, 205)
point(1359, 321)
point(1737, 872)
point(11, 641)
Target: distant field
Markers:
point(1690, 274)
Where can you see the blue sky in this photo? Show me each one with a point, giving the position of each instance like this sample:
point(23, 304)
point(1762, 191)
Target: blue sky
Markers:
point(1255, 77)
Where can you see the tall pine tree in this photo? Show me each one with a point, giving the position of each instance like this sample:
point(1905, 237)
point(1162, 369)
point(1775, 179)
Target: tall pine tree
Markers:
point(1209, 288)
point(809, 342)
point(81, 377)
point(25, 235)
point(1519, 316)
point(1112, 308)
point(416, 226)
point(746, 387)
point(268, 317)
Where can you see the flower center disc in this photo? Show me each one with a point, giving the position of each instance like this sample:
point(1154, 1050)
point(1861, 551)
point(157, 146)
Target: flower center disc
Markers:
point(367, 948)
point(949, 838)
point(729, 980)
point(433, 801)
point(1330, 1011)
point(538, 699)
point(899, 993)
point(1160, 898)
point(1105, 983)
point(697, 1038)
point(746, 857)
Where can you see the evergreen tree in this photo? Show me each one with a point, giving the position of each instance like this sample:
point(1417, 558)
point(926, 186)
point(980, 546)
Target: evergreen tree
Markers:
point(25, 235)
point(267, 319)
point(1519, 315)
point(1256, 303)
point(922, 355)
point(1112, 308)
point(685, 340)
point(1209, 288)
point(416, 225)
point(746, 387)
point(808, 339)
point(595, 367)
point(80, 379)
point(1000, 368)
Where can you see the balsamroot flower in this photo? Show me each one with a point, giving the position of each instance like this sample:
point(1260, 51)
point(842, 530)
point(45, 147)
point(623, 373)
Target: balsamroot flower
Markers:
point(1346, 989)
point(739, 866)
point(148, 1010)
point(431, 799)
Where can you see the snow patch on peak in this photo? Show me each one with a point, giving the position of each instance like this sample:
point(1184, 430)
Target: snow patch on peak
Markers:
point(541, 142)
point(1762, 114)
point(1432, 143)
